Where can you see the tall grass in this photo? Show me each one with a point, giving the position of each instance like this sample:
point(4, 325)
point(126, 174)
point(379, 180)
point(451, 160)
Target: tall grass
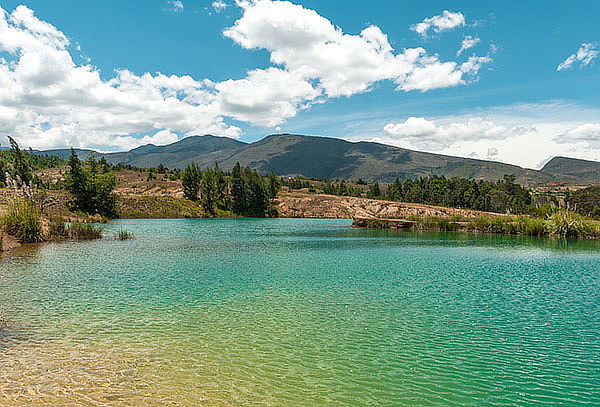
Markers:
point(560, 224)
point(23, 221)
point(124, 235)
point(570, 224)
point(83, 231)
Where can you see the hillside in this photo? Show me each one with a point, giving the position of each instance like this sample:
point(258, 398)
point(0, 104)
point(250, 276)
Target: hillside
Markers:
point(331, 158)
point(574, 169)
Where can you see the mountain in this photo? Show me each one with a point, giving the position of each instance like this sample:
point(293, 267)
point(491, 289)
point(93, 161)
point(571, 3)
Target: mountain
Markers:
point(331, 158)
point(204, 150)
point(64, 153)
point(573, 169)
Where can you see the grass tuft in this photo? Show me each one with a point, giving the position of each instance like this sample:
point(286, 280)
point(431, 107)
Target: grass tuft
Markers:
point(124, 235)
point(23, 221)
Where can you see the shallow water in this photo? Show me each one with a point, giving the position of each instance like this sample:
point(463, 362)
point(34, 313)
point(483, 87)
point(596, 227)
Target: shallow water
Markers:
point(300, 313)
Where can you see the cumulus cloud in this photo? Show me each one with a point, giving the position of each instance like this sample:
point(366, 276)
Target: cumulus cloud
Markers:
point(422, 133)
point(442, 22)
point(467, 43)
point(177, 5)
point(309, 45)
point(587, 134)
point(48, 100)
point(584, 56)
point(219, 5)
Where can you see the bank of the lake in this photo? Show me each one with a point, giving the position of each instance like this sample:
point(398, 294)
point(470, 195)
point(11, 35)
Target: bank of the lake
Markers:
point(300, 312)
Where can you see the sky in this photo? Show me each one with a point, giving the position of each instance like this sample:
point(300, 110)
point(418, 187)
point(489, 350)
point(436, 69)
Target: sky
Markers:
point(512, 81)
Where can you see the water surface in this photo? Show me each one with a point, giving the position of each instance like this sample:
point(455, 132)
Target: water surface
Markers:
point(300, 313)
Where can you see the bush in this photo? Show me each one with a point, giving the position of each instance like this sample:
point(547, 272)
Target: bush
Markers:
point(531, 226)
point(491, 224)
point(23, 221)
point(570, 224)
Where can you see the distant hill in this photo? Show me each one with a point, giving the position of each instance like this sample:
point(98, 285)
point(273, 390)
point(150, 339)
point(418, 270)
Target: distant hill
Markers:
point(328, 158)
point(573, 169)
point(64, 153)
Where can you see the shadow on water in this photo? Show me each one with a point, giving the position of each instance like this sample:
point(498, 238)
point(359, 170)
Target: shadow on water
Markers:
point(393, 238)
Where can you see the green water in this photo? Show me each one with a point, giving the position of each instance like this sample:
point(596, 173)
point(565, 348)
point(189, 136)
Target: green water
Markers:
point(300, 313)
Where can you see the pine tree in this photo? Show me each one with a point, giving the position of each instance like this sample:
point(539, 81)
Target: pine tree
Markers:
point(20, 164)
point(238, 190)
point(191, 179)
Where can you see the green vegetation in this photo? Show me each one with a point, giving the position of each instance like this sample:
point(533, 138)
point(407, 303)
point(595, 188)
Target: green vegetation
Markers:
point(20, 164)
point(586, 201)
point(561, 224)
point(242, 192)
point(124, 235)
point(82, 231)
point(23, 221)
point(92, 192)
point(503, 196)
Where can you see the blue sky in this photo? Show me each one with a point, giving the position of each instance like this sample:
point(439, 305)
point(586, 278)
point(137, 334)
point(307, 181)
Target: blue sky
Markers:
point(514, 106)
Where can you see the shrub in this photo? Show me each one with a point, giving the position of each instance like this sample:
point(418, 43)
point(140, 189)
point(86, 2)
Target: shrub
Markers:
point(531, 226)
point(23, 221)
point(564, 224)
point(491, 224)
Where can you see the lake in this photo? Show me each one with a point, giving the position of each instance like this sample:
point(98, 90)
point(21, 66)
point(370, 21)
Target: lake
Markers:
point(298, 312)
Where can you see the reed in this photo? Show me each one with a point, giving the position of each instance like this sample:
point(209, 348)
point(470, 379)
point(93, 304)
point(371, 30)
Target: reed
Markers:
point(80, 231)
point(124, 235)
point(24, 221)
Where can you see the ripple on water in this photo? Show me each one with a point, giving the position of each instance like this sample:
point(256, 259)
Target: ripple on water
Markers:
point(299, 313)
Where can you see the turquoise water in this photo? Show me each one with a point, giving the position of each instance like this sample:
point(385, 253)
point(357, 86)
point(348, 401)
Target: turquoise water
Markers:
point(294, 312)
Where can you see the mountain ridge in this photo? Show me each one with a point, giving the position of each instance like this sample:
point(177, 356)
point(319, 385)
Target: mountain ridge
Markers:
point(333, 158)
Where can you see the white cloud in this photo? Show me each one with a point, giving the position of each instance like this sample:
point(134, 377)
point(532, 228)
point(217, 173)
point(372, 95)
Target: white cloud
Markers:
point(266, 97)
point(422, 133)
point(309, 45)
point(587, 135)
point(177, 5)
point(467, 43)
point(584, 56)
point(442, 22)
point(522, 134)
point(219, 5)
point(48, 100)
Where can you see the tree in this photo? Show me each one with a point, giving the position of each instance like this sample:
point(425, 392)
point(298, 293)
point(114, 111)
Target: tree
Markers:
point(586, 201)
point(273, 186)
point(191, 179)
point(374, 191)
point(208, 192)
point(20, 163)
point(238, 190)
point(104, 165)
point(92, 193)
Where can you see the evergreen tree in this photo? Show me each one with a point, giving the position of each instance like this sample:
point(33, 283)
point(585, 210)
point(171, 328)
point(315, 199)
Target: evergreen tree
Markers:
point(92, 193)
point(208, 192)
point(191, 179)
point(238, 190)
point(20, 162)
point(374, 191)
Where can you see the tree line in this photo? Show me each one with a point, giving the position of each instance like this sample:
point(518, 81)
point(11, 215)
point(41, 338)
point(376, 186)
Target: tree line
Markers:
point(242, 191)
point(502, 196)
